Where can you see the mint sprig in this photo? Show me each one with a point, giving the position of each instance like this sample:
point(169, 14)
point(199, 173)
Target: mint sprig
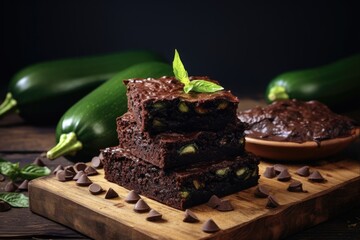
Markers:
point(197, 85)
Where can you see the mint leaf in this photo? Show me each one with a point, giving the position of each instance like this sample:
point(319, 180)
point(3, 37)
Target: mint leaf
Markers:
point(179, 70)
point(32, 171)
point(15, 199)
point(9, 169)
point(205, 86)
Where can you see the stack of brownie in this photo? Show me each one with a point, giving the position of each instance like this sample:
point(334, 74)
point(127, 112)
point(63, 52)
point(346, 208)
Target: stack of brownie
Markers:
point(179, 148)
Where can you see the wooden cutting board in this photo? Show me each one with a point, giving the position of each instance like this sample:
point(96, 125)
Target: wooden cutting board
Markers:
point(101, 218)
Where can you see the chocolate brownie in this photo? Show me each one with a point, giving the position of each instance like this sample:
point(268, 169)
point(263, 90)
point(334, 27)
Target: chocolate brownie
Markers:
point(161, 105)
point(181, 188)
point(168, 150)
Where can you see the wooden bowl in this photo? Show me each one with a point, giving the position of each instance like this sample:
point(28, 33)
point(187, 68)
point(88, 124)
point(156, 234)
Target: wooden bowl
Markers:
point(291, 151)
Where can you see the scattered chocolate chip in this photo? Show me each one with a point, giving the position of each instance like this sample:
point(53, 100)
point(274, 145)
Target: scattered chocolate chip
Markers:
point(190, 217)
point(315, 176)
point(269, 172)
point(261, 192)
point(295, 186)
point(39, 162)
point(83, 180)
point(132, 197)
point(10, 187)
point(141, 206)
point(70, 168)
point(2, 177)
point(154, 216)
point(111, 194)
point(60, 175)
point(272, 202)
point(210, 226)
point(59, 167)
point(96, 162)
point(80, 166)
point(95, 189)
point(24, 185)
point(225, 206)
point(90, 171)
point(279, 168)
point(4, 206)
point(284, 175)
point(303, 171)
point(78, 175)
point(214, 201)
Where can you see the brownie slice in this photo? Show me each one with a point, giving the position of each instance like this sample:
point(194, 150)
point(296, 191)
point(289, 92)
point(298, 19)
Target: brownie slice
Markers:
point(161, 105)
point(181, 188)
point(168, 150)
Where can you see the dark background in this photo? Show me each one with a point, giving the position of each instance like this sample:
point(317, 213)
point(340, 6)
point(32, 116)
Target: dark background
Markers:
point(242, 44)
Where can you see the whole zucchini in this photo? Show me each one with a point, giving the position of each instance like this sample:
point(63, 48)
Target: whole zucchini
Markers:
point(90, 124)
point(336, 85)
point(42, 92)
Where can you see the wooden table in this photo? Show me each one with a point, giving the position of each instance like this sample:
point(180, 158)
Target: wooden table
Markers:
point(20, 142)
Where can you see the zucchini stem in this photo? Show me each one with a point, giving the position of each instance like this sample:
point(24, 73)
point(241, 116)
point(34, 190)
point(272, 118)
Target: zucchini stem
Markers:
point(276, 93)
point(67, 145)
point(8, 105)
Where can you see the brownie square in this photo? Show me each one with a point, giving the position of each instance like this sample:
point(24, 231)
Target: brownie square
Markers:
point(168, 150)
point(161, 105)
point(181, 188)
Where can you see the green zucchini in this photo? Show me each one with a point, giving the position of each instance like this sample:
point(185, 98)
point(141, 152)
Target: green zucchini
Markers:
point(90, 124)
point(337, 85)
point(42, 92)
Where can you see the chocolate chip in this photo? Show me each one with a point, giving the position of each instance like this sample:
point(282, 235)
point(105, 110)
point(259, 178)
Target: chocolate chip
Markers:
point(83, 180)
point(96, 162)
point(60, 175)
point(10, 187)
point(70, 168)
point(272, 202)
point(4, 206)
point(261, 192)
point(90, 171)
point(111, 194)
point(225, 206)
point(154, 216)
point(269, 172)
point(279, 168)
point(24, 185)
point(39, 162)
point(80, 166)
point(190, 217)
point(78, 175)
point(141, 206)
point(132, 197)
point(315, 176)
point(214, 201)
point(95, 189)
point(284, 175)
point(2, 178)
point(303, 171)
point(210, 226)
point(295, 186)
point(59, 167)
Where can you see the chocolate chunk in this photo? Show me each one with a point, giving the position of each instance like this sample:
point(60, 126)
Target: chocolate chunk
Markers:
point(4, 206)
point(111, 194)
point(10, 187)
point(83, 180)
point(190, 217)
point(214, 201)
point(132, 197)
point(295, 186)
point(272, 202)
point(78, 175)
point(284, 175)
point(95, 189)
point(225, 206)
point(59, 167)
point(279, 168)
point(303, 171)
point(24, 185)
point(210, 226)
point(90, 171)
point(315, 176)
point(261, 192)
point(269, 172)
point(70, 168)
point(141, 206)
point(96, 162)
point(154, 216)
point(39, 162)
point(80, 166)
point(2, 177)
